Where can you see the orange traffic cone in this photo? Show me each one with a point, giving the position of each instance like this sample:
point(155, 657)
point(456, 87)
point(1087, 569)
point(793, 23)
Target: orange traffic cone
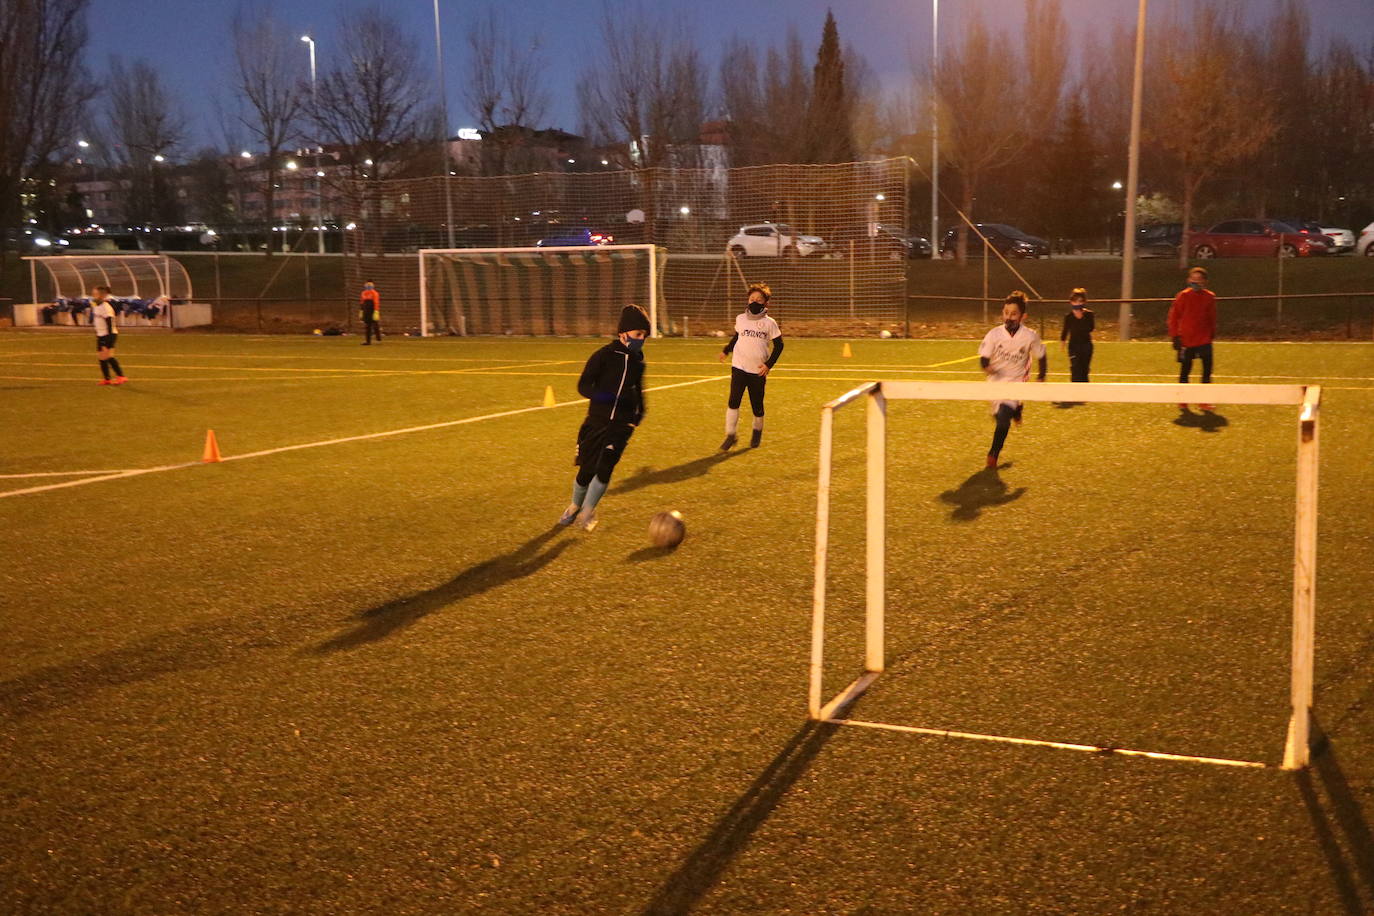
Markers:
point(211, 448)
point(548, 397)
point(846, 352)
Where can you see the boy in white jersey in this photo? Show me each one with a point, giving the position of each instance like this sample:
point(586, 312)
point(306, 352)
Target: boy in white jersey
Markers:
point(106, 335)
point(1005, 355)
point(750, 363)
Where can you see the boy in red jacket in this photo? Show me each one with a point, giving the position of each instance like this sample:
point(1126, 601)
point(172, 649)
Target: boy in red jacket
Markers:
point(1192, 325)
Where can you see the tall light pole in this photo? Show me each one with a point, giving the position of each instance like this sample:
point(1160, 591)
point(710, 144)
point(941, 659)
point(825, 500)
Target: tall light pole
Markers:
point(319, 190)
point(934, 129)
point(443, 115)
point(1132, 180)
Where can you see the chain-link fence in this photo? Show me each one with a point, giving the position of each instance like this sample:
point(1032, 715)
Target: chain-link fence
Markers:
point(830, 239)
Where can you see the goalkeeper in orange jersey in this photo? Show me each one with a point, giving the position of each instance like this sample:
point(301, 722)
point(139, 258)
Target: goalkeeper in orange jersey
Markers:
point(370, 311)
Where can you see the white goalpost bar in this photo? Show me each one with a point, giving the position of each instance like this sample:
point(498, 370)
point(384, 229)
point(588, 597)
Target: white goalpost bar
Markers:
point(1297, 747)
point(652, 251)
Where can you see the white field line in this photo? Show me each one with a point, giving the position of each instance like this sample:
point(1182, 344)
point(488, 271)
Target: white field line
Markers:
point(1060, 745)
point(60, 474)
point(339, 441)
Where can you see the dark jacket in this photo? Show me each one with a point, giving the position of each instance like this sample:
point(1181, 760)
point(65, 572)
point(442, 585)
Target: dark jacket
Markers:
point(1078, 330)
point(613, 383)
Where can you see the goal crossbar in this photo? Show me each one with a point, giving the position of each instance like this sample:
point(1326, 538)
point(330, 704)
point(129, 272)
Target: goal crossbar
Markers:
point(549, 253)
point(1297, 746)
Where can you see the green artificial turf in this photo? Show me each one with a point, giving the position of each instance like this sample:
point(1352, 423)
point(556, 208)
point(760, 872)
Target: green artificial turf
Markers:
point(371, 676)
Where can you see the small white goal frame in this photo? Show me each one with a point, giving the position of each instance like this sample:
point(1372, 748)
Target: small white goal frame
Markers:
point(1297, 747)
point(652, 250)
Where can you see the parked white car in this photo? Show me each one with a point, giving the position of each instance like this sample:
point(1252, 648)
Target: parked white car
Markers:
point(1365, 246)
point(1342, 240)
point(774, 240)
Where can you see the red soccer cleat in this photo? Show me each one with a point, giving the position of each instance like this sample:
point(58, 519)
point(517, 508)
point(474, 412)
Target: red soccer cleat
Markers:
point(106, 381)
point(119, 380)
point(992, 461)
point(1207, 407)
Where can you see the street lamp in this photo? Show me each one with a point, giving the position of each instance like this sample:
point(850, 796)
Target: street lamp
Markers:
point(159, 158)
point(934, 124)
point(1132, 180)
point(443, 114)
point(1117, 186)
point(319, 189)
point(82, 143)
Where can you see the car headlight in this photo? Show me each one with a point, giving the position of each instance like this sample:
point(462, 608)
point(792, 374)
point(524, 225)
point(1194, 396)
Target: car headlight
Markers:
point(42, 243)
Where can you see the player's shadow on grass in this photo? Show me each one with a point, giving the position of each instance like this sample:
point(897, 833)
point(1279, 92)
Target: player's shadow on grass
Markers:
point(649, 477)
point(1351, 865)
point(381, 621)
point(1209, 421)
point(981, 491)
point(704, 866)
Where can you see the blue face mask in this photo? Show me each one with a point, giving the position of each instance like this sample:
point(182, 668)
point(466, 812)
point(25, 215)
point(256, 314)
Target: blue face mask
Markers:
point(635, 344)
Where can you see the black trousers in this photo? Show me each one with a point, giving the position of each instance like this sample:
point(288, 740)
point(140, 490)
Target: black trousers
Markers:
point(1003, 418)
point(1185, 362)
point(600, 446)
point(1080, 358)
point(740, 382)
point(371, 327)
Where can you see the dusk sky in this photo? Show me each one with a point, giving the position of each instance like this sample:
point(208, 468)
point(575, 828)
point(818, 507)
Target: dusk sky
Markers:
point(188, 39)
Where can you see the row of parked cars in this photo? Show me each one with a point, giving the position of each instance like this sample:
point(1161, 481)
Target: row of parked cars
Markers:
point(1255, 238)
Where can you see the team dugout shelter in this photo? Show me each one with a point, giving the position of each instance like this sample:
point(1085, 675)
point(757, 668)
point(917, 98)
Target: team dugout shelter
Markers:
point(147, 290)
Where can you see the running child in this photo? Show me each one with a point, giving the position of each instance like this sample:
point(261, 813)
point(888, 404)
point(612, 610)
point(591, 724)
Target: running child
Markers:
point(1005, 355)
point(613, 384)
point(750, 363)
point(106, 335)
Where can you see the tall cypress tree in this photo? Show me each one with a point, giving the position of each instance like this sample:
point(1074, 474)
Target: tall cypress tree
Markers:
point(829, 121)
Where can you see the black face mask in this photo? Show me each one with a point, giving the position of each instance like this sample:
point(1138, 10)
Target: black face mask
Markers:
point(756, 308)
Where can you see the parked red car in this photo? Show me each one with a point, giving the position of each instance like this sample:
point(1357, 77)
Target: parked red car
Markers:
point(1254, 238)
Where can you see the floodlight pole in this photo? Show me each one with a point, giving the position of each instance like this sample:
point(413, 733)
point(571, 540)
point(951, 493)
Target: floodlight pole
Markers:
point(443, 115)
point(319, 188)
point(1132, 180)
point(934, 130)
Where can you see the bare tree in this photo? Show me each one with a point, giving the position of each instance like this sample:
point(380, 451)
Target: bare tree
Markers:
point(267, 80)
point(370, 103)
point(148, 124)
point(1202, 129)
point(982, 90)
point(648, 91)
point(505, 87)
point(44, 89)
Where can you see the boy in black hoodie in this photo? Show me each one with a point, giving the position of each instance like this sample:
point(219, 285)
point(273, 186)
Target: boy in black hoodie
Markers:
point(613, 383)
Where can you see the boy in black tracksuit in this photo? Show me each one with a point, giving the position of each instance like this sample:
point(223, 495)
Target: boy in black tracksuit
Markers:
point(613, 383)
point(1077, 334)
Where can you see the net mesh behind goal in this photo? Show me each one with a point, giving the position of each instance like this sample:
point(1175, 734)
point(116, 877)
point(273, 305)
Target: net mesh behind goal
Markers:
point(850, 278)
point(542, 292)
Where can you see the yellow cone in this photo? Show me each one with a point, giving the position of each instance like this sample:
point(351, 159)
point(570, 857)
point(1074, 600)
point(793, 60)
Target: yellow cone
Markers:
point(211, 448)
point(548, 397)
point(847, 352)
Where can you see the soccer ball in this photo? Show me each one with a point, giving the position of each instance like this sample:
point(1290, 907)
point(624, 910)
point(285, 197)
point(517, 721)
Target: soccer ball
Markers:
point(318, 332)
point(884, 333)
point(666, 529)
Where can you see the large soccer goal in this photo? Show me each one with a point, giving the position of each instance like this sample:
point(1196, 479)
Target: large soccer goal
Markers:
point(567, 290)
point(876, 396)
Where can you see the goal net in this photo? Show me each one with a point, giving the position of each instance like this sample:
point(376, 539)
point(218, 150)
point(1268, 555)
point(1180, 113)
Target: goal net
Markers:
point(571, 290)
point(876, 395)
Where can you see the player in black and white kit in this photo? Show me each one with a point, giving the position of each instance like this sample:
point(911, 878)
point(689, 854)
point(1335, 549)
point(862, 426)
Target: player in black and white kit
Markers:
point(106, 335)
point(613, 384)
point(750, 363)
point(1005, 355)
